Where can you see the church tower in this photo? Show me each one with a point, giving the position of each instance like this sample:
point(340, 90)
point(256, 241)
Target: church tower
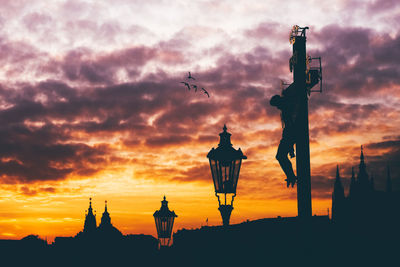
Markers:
point(105, 219)
point(338, 199)
point(106, 230)
point(90, 220)
point(363, 183)
point(362, 202)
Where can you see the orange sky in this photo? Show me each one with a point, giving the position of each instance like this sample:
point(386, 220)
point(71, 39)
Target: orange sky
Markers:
point(134, 192)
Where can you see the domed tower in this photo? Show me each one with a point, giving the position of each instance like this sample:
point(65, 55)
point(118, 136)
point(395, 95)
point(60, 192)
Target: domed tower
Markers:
point(106, 230)
point(105, 219)
point(90, 220)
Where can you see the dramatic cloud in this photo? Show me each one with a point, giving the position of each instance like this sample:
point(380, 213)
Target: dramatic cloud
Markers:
point(157, 111)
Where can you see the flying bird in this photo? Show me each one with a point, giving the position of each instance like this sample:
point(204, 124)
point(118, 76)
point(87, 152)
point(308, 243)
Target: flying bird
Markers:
point(205, 91)
point(190, 76)
point(186, 84)
point(195, 87)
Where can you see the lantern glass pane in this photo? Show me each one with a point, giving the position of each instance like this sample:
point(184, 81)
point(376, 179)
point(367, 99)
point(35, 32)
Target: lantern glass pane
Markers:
point(226, 178)
point(170, 220)
point(221, 179)
point(219, 176)
point(161, 228)
point(172, 224)
point(235, 172)
point(231, 175)
point(225, 175)
point(167, 226)
point(158, 225)
point(164, 226)
point(214, 172)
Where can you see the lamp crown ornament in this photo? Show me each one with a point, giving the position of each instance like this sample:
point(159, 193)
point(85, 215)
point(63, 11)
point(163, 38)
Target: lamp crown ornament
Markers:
point(225, 137)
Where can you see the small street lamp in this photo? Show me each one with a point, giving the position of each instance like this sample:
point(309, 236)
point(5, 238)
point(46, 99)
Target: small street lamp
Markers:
point(225, 162)
point(164, 219)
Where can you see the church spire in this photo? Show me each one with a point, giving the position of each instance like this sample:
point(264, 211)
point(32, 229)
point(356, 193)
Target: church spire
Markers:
point(337, 173)
point(338, 187)
point(105, 219)
point(338, 198)
point(362, 161)
point(362, 155)
point(362, 178)
point(90, 220)
point(388, 181)
point(106, 229)
point(90, 210)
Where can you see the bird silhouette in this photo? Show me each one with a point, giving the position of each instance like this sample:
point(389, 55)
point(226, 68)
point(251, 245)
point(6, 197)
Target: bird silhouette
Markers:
point(186, 84)
point(190, 76)
point(205, 92)
point(195, 87)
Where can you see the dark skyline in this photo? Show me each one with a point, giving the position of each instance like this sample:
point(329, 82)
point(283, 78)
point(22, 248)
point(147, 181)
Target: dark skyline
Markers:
point(91, 105)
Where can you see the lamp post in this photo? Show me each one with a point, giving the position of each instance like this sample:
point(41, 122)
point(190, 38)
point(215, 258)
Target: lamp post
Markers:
point(225, 162)
point(164, 219)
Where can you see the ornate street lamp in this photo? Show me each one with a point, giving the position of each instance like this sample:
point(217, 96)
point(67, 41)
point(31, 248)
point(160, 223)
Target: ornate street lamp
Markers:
point(225, 164)
point(164, 219)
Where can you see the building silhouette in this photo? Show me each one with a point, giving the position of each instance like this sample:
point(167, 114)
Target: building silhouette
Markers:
point(338, 198)
point(90, 220)
point(363, 228)
point(104, 245)
point(106, 229)
point(364, 206)
point(105, 232)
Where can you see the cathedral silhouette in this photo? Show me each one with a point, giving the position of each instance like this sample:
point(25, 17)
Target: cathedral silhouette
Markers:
point(105, 231)
point(364, 206)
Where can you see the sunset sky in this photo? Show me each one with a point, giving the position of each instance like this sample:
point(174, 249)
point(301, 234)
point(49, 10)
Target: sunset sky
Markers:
point(91, 105)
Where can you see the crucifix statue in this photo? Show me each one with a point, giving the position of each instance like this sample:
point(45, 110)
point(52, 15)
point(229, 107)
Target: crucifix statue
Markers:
point(293, 104)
